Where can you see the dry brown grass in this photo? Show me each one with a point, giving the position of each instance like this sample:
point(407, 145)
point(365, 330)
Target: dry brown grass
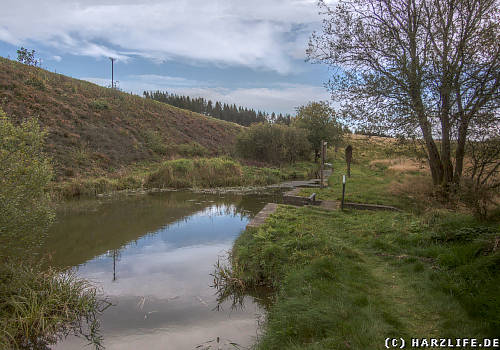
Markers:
point(373, 139)
point(94, 131)
point(401, 165)
point(418, 190)
point(414, 187)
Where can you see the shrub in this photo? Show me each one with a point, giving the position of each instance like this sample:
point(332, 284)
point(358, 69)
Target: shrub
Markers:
point(37, 307)
point(25, 172)
point(481, 185)
point(100, 104)
point(35, 82)
point(193, 149)
point(154, 141)
point(481, 198)
point(273, 143)
point(27, 57)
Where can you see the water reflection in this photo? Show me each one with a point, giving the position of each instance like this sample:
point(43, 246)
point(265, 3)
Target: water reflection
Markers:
point(152, 256)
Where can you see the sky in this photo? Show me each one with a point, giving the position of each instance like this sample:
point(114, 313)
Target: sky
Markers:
point(251, 53)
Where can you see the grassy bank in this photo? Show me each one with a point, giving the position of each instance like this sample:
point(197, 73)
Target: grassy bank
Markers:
point(184, 173)
point(39, 307)
point(380, 182)
point(383, 171)
point(351, 279)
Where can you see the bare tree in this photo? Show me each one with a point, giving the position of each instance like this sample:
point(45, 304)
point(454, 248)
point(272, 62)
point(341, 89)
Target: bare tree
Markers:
point(482, 173)
point(425, 68)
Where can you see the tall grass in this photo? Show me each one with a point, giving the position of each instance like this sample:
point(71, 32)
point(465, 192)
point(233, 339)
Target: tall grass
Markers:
point(39, 307)
point(222, 172)
point(203, 172)
point(183, 173)
point(90, 187)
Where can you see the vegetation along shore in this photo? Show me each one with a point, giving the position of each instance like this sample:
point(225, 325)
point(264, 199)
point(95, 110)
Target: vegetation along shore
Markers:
point(406, 119)
point(352, 278)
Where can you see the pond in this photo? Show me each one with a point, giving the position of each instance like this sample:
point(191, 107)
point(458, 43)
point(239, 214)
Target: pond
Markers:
point(152, 256)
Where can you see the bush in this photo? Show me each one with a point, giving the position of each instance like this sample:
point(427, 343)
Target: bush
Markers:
point(100, 104)
point(273, 143)
point(25, 172)
point(36, 82)
point(154, 141)
point(193, 149)
point(37, 307)
point(481, 198)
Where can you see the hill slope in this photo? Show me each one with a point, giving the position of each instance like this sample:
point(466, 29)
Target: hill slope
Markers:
point(94, 130)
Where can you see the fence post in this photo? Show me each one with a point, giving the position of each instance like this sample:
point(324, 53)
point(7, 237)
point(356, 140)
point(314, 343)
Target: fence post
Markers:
point(323, 157)
point(343, 192)
point(321, 166)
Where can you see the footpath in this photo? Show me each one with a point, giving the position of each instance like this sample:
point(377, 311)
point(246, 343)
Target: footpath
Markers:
point(292, 198)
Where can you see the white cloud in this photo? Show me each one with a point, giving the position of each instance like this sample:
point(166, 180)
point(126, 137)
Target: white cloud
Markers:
point(277, 98)
point(258, 34)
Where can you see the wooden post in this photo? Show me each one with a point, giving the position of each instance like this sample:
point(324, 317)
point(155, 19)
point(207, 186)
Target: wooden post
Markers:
point(343, 192)
point(321, 166)
point(323, 157)
point(348, 159)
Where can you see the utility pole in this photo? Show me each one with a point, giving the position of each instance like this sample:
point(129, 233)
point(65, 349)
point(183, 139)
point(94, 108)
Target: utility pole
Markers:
point(112, 71)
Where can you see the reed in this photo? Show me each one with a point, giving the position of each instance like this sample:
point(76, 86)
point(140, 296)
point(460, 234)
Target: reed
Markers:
point(40, 307)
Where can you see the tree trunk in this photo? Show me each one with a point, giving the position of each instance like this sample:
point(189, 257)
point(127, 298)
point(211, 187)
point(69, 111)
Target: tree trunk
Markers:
point(316, 156)
point(415, 92)
point(447, 166)
point(434, 159)
point(460, 152)
point(432, 151)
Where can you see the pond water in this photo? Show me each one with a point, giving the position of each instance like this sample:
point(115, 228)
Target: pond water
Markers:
point(152, 255)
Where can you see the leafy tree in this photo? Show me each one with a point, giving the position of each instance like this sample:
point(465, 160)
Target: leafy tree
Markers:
point(318, 118)
point(24, 175)
point(273, 143)
point(27, 57)
point(425, 68)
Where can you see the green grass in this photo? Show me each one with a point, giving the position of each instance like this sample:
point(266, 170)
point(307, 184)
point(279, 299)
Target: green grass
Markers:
point(266, 176)
point(351, 279)
point(39, 307)
point(371, 184)
point(183, 173)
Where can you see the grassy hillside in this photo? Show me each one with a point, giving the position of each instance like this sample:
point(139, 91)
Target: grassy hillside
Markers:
point(94, 131)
